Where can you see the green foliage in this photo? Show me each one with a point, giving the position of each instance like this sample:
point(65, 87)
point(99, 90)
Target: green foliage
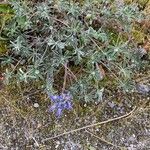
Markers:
point(82, 41)
point(5, 15)
point(5, 8)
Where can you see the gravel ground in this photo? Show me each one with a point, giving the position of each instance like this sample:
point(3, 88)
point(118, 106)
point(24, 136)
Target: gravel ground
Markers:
point(25, 127)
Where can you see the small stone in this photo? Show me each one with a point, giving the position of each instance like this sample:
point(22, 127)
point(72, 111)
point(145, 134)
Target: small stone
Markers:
point(85, 105)
point(36, 105)
point(57, 144)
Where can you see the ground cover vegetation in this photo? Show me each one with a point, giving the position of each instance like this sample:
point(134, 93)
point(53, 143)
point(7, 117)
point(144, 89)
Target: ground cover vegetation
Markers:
point(74, 65)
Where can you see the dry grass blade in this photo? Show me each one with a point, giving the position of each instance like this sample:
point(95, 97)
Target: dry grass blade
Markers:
point(91, 125)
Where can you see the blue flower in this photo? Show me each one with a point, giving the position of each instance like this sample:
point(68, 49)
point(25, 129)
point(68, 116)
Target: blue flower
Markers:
point(54, 98)
point(60, 103)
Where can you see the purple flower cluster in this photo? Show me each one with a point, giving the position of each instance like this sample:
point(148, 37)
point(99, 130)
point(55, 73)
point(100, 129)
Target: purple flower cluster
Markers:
point(60, 103)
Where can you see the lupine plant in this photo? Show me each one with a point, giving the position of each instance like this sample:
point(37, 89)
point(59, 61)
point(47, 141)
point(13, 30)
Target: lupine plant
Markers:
point(78, 47)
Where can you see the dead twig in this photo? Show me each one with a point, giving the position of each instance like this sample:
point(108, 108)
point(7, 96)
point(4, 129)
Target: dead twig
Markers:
point(71, 72)
point(91, 125)
point(65, 78)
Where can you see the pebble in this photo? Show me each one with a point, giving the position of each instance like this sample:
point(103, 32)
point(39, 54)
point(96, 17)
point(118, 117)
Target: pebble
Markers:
point(36, 105)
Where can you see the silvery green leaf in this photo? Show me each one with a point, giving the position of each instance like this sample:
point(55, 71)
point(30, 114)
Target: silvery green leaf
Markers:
point(51, 42)
point(61, 45)
point(100, 94)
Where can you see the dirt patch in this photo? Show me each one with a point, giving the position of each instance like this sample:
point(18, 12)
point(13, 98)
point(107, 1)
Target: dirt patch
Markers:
point(30, 130)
